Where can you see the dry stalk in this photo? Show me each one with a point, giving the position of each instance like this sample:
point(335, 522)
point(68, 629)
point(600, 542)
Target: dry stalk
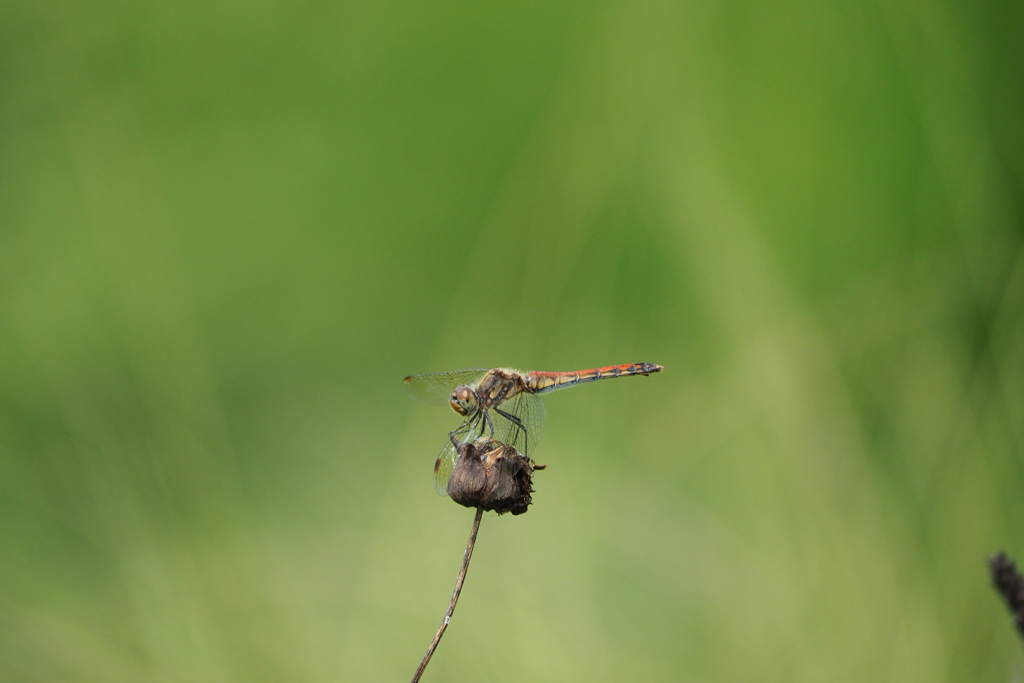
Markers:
point(455, 595)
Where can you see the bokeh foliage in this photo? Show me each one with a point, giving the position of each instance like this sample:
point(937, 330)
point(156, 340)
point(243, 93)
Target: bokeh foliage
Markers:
point(228, 230)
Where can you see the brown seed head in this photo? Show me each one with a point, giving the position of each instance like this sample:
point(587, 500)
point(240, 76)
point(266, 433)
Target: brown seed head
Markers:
point(493, 476)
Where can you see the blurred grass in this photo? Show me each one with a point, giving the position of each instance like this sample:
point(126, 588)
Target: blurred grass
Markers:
point(227, 232)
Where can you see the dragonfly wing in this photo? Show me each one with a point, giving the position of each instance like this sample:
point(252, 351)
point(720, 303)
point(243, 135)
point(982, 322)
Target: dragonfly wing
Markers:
point(443, 468)
point(444, 465)
point(523, 432)
point(437, 387)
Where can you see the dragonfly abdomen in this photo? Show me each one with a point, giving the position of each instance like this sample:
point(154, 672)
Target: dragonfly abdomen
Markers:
point(539, 382)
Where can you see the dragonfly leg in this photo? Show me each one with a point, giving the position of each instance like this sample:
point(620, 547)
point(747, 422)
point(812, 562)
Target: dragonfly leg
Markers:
point(519, 425)
point(470, 429)
point(456, 436)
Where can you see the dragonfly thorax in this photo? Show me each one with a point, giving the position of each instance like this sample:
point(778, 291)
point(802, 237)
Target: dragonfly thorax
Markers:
point(463, 400)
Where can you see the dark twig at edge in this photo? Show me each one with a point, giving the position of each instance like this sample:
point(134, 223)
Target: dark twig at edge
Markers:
point(1010, 584)
point(455, 595)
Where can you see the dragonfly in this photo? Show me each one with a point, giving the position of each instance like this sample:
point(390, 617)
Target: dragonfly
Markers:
point(500, 404)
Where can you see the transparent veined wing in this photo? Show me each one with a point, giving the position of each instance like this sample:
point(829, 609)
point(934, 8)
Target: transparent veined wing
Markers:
point(436, 387)
point(523, 432)
point(443, 467)
point(445, 463)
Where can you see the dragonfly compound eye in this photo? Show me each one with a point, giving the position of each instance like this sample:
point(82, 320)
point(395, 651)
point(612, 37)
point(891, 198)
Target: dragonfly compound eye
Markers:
point(462, 400)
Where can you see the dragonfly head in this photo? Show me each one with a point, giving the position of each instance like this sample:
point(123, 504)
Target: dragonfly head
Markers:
point(463, 400)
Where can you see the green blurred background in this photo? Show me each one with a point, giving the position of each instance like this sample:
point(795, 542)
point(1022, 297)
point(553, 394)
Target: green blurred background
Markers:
point(228, 230)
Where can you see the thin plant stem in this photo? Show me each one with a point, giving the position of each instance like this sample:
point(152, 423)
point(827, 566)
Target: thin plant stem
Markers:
point(455, 596)
point(1009, 582)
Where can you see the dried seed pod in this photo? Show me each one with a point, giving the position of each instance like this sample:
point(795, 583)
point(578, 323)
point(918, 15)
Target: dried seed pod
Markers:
point(494, 476)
